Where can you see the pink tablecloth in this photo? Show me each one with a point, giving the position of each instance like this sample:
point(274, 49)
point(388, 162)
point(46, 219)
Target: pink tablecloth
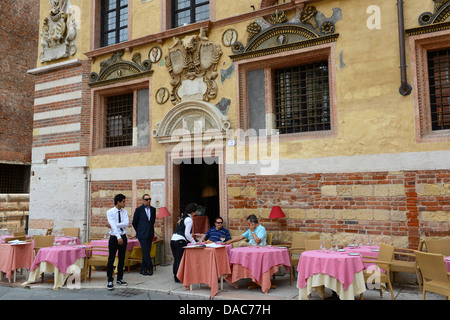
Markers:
point(60, 256)
point(367, 251)
point(447, 262)
point(65, 240)
point(131, 243)
point(15, 256)
point(341, 266)
point(258, 260)
point(203, 265)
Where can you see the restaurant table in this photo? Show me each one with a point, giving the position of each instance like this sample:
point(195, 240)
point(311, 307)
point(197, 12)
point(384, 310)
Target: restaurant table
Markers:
point(204, 265)
point(13, 257)
point(64, 241)
point(257, 263)
point(341, 272)
point(58, 260)
point(366, 251)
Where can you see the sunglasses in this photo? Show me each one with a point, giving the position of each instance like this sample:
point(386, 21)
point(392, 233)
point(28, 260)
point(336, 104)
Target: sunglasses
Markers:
point(147, 199)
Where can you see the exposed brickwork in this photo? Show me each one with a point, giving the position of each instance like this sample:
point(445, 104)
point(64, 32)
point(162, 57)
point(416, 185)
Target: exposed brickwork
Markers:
point(18, 50)
point(409, 204)
point(83, 135)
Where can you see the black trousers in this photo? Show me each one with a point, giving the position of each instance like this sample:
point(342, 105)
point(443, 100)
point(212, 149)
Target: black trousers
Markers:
point(146, 246)
point(177, 252)
point(114, 247)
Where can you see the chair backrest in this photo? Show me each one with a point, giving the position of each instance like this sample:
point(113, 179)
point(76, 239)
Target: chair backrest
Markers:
point(43, 241)
point(90, 251)
point(20, 238)
point(315, 236)
point(440, 246)
point(432, 266)
point(19, 234)
point(269, 238)
point(49, 232)
point(386, 254)
point(15, 230)
point(314, 244)
point(71, 232)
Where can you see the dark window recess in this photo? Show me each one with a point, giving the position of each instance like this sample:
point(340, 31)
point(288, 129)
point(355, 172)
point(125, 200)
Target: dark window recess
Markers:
point(439, 81)
point(114, 22)
point(189, 11)
point(14, 178)
point(302, 98)
point(119, 121)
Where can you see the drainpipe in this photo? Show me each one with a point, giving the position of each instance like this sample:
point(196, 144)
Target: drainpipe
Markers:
point(405, 88)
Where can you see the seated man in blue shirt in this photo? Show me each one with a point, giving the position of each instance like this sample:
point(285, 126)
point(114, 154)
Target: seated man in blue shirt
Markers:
point(256, 233)
point(214, 234)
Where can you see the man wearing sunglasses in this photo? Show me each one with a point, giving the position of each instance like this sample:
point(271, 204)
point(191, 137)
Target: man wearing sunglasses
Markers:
point(143, 223)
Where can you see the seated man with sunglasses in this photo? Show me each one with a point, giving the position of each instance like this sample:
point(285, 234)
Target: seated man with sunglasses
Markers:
point(217, 232)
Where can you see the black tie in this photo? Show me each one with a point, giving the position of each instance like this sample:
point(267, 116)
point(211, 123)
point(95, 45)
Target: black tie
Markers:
point(120, 220)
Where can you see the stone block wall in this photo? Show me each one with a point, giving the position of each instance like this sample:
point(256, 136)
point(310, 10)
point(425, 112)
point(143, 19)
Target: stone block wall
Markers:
point(393, 207)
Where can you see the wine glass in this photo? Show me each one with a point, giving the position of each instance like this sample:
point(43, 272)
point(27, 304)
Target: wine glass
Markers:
point(222, 238)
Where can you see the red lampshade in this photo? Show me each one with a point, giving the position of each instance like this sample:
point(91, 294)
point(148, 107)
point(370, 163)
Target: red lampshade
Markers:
point(276, 213)
point(163, 212)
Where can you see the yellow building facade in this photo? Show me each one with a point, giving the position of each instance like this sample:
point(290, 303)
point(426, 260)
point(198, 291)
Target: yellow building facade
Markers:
point(336, 111)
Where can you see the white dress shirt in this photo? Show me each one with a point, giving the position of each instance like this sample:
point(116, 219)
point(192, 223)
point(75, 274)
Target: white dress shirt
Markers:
point(187, 231)
point(117, 229)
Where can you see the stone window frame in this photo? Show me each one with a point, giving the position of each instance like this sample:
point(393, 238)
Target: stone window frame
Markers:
point(166, 15)
point(96, 24)
point(419, 47)
point(282, 60)
point(98, 122)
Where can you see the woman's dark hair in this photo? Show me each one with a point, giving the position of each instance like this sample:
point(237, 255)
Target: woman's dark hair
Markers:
point(119, 198)
point(190, 208)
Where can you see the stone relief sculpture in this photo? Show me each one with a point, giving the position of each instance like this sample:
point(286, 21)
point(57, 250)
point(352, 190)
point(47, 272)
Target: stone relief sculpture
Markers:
point(59, 32)
point(192, 64)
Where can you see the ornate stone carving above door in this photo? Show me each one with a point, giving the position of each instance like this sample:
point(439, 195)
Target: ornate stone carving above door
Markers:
point(192, 64)
point(191, 118)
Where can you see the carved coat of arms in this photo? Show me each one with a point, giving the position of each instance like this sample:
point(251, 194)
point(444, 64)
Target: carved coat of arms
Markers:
point(192, 64)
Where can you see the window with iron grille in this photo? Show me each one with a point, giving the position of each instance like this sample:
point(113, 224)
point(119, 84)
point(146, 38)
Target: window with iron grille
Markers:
point(189, 11)
point(14, 178)
point(114, 22)
point(119, 121)
point(302, 98)
point(439, 82)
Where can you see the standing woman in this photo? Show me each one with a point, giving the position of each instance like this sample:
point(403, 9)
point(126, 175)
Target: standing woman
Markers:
point(181, 236)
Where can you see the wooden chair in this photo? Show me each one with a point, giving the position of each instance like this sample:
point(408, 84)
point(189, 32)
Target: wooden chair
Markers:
point(405, 265)
point(95, 259)
point(314, 244)
point(71, 232)
point(439, 246)
point(434, 271)
point(383, 261)
point(20, 238)
point(296, 249)
point(136, 256)
point(269, 238)
point(49, 232)
point(42, 242)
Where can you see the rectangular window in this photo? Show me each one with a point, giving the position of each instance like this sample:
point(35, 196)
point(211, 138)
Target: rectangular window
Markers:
point(302, 98)
point(14, 178)
point(119, 121)
point(189, 11)
point(439, 82)
point(114, 22)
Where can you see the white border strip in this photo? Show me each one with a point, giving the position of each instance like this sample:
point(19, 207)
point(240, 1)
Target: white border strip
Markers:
point(431, 160)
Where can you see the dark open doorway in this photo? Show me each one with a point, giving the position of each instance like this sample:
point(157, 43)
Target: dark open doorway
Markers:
point(199, 183)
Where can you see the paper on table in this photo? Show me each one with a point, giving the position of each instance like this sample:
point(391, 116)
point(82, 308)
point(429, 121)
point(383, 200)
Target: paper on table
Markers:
point(214, 245)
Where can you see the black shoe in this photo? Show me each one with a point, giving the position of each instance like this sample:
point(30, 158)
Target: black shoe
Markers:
point(110, 286)
point(122, 283)
point(177, 280)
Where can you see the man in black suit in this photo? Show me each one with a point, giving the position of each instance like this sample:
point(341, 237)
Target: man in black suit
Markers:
point(143, 222)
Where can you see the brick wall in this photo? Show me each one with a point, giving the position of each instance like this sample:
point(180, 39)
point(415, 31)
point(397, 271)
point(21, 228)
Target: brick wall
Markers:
point(395, 207)
point(62, 111)
point(18, 49)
